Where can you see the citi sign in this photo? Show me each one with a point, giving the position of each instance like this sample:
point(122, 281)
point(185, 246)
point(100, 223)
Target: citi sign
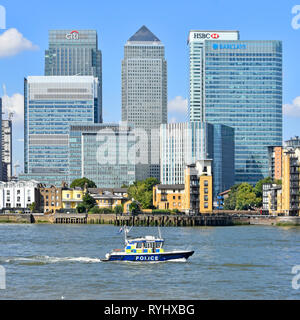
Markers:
point(228, 46)
point(205, 36)
point(73, 35)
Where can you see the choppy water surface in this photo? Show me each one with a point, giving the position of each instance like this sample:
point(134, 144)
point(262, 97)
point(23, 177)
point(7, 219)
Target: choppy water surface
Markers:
point(55, 261)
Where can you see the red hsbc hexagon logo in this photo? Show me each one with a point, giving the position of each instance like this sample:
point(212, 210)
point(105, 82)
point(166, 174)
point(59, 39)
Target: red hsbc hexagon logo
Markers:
point(215, 36)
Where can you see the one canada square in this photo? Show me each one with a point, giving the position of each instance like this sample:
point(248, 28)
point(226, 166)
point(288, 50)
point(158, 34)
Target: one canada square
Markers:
point(144, 96)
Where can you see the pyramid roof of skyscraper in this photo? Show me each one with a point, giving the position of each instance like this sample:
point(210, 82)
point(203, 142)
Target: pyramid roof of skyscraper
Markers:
point(144, 34)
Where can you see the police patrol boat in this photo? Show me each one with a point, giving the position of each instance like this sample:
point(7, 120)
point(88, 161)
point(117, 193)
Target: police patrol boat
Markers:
point(148, 249)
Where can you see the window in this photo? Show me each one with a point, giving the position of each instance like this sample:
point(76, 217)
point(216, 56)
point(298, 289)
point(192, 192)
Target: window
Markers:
point(205, 190)
point(205, 183)
point(205, 205)
point(205, 198)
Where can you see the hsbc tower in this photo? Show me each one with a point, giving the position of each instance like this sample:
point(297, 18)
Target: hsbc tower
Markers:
point(238, 83)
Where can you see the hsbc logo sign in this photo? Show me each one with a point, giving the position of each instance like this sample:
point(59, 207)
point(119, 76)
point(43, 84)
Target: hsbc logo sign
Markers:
point(205, 36)
point(73, 35)
point(215, 36)
point(201, 36)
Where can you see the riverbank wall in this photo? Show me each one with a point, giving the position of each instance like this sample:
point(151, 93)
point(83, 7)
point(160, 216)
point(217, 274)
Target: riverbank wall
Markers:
point(154, 220)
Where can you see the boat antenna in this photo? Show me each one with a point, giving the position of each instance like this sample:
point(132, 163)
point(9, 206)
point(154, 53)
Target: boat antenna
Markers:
point(159, 233)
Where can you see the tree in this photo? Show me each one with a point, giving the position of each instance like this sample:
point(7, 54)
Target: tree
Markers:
point(33, 207)
point(81, 208)
point(142, 191)
point(88, 201)
point(82, 182)
point(245, 197)
point(230, 201)
point(118, 209)
point(134, 207)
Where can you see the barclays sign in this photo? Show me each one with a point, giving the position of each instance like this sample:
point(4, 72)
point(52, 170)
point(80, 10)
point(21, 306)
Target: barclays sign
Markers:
point(217, 46)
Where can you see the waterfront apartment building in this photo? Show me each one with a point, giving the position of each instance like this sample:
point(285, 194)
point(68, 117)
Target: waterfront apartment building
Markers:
point(182, 144)
point(275, 162)
point(194, 196)
point(285, 198)
point(291, 182)
point(50, 198)
point(7, 150)
point(19, 194)
point(238, 83)
point(144, 96)
point(75, 52)
point(51, 104)
point(104, 153)
point(293, 142)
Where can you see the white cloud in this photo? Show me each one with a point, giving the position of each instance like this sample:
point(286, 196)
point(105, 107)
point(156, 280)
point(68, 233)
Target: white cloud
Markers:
point(292, 109)
point(12, 42)
point(14, 104)
point(178, 104)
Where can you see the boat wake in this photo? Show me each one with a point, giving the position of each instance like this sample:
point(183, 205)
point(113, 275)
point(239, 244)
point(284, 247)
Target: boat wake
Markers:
point(40, 260)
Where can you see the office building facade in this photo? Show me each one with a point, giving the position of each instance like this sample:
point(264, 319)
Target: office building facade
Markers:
point(51, 105)
point(181, 144)
point(104, 153)
point(75, 52)
point(7, 149)
point(223, 158)
point(238, 84)
point(144, 95)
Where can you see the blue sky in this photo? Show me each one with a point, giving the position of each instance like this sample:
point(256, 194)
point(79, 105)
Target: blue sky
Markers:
point(23, 42)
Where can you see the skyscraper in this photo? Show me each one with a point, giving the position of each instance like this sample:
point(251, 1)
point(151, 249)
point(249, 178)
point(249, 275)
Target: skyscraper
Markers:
point(7, 149)
point(238, 84)
point(75, 52)
point(144, 95)
point(103, 153)
point(51, 104)
point(182, 144)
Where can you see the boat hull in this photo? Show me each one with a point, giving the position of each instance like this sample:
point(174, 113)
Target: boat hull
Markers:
point(150, 257)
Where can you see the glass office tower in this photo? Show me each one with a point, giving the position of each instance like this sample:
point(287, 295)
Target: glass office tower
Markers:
point(181, 144)
point(144, 95)
point(51, 105)
point(75, 52)
point(103, 153)
point(238, 84)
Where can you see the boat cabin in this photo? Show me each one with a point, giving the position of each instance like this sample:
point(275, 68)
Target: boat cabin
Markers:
point(149, 244)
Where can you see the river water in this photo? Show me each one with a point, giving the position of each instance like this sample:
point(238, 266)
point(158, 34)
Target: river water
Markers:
point(63, 262)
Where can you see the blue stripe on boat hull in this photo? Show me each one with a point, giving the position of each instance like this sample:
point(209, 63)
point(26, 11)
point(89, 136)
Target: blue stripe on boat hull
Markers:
point(151, 257)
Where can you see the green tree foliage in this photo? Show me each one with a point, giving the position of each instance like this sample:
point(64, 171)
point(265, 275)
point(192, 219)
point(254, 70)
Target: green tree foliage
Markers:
point(230, 202)
point(246, 197)
point(88, 201)
point(118, 209)
point(82, 182)
point(134, 207)
point(81, 208)
point(142, 191)
point(32, 207)
point(242, 197)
